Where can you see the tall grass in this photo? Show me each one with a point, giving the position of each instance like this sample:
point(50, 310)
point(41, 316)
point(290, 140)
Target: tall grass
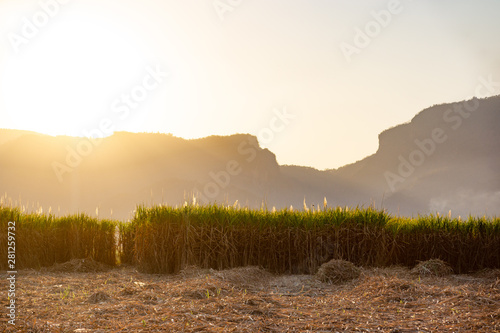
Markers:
point(164, 239)
point(126, 241)
point(42, 240)
point(168, 239)
point(465, 245)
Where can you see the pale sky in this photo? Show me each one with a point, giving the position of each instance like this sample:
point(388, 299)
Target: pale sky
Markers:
point(227, 66)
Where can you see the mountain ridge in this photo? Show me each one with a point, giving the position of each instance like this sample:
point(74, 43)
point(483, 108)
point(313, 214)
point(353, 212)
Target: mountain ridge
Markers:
point(445, 158)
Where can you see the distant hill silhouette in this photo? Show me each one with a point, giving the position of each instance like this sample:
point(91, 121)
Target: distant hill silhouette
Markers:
point(446, 158)
point(457, 172)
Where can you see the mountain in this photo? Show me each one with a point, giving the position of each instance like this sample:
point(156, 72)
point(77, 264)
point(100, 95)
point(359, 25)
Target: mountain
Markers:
point(116, 173)
point(445, 158)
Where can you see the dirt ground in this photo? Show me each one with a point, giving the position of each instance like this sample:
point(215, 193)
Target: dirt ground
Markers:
point(72, 299)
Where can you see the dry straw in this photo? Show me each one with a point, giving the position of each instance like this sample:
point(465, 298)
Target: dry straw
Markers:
point(432, 267)
point(338, 271)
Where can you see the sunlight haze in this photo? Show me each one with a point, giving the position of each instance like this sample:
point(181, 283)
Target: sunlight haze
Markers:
point(198, 70)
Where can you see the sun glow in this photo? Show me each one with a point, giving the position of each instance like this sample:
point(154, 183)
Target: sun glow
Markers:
point(66, 78)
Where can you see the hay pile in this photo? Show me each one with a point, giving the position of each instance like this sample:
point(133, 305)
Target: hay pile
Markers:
point(337, 271)
point(79, 266)
point(432, 267)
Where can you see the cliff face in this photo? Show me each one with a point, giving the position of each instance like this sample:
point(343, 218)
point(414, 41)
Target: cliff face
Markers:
point(446, 158)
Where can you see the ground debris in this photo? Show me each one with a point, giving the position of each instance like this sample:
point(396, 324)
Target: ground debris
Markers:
point(380, 300)
point(78, 266)
point(98, 297)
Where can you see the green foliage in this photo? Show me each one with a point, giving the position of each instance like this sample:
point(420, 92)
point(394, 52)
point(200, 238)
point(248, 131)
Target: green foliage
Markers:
point(168, 239)
point(163, 239)
point(43, 240)
point(126, 243)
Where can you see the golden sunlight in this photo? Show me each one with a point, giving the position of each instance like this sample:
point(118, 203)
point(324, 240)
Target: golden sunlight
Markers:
point(66, 78)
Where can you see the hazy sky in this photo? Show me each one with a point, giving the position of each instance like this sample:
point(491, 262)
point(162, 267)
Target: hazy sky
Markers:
point(338, 72)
